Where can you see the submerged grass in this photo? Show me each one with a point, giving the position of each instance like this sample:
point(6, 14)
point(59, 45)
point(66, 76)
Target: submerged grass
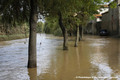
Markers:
point(12, 37)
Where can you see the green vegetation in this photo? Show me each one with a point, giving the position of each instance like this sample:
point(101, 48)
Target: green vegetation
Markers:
point(40, 27)
point(14, 20)
point(12, 37)
point(52, 27)
point(9, 33)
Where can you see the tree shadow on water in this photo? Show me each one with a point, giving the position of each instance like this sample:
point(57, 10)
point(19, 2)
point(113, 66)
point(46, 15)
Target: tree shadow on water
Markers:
point(32, 72)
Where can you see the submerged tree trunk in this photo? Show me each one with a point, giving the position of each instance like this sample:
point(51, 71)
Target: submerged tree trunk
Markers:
point(80, 33)
point(65, 35)
point(77, 36)
point(64, 32)
point(32, 63)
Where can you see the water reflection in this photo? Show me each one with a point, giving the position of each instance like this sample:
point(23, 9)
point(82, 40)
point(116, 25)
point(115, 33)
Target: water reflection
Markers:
point(78, 57)
point(105, 59)
point(32, 72)
point(114, 62)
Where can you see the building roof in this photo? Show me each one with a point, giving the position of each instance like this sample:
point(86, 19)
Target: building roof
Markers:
point(105, 6)
point(97, 15)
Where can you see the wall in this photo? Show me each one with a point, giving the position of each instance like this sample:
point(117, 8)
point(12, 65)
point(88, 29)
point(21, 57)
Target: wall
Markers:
point(119, 16)
point(110, 21)
point(98, 27)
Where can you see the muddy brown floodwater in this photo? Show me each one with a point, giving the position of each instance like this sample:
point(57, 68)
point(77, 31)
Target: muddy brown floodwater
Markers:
point(96, 58)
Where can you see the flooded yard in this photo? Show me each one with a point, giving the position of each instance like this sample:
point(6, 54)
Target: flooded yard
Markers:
point(95, 58)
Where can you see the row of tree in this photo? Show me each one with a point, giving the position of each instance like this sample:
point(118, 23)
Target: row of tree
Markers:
point(68, 13)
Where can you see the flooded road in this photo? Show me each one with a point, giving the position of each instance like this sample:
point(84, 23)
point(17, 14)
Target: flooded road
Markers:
point(95, 58)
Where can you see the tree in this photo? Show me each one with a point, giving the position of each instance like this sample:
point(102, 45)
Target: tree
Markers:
point(32, 37)
point(14, 12)
point(61, 9)
point(20, 11)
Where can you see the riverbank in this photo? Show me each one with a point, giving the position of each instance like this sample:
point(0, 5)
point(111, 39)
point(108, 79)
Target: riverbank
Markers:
point(12, 37)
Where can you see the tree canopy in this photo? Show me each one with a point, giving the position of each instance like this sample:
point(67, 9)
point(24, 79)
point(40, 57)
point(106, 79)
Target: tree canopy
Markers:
point(19, 10)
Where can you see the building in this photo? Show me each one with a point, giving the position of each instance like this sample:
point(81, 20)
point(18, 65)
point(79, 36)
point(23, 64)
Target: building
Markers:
point(111, 20)
point(94, 26)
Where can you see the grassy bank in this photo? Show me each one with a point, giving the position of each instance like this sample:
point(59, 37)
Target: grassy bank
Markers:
point(12, 37)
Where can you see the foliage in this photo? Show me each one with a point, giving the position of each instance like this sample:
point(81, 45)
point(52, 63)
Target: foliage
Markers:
point(13, 14)
point(68, 8)
point(16, 12)
point(40, 26)
point(113, 4)
point(58, 32)
point(52, 27)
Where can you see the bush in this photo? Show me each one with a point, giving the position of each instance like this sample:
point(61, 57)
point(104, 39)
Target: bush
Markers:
point(58, 32)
